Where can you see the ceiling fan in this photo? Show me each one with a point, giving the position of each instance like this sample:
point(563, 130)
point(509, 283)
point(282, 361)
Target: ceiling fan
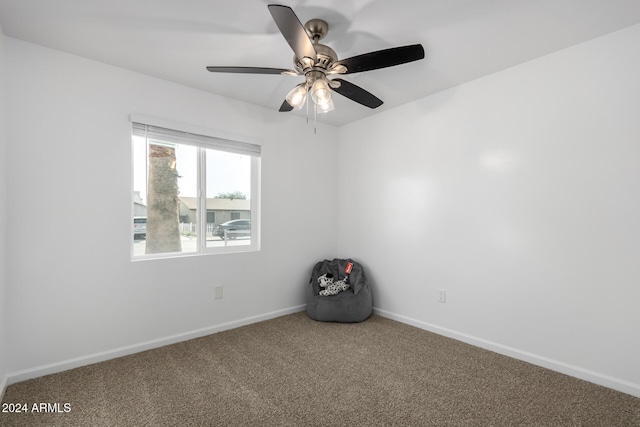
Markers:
point(316, 62)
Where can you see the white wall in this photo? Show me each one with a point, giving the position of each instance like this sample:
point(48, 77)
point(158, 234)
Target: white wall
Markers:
point(3, 222)
point(519, 195)
point(75, 295)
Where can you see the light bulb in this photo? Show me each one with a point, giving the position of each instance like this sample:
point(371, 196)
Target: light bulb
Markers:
point(297, 96)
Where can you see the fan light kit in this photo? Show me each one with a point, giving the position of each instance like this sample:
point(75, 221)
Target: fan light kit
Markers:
point(316, 61)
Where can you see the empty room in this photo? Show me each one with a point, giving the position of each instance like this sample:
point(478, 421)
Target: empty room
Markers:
point(323, 213)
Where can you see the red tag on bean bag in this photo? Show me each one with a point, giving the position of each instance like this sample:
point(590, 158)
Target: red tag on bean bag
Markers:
point(348, 268)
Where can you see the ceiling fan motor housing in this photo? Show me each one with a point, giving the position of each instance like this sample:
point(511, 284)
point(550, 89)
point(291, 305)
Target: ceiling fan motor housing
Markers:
point(317, 29)
point(325, 57)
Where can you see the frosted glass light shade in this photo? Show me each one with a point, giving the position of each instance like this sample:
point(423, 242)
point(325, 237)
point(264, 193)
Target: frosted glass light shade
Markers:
point(320, 92)
point(325, 107)
point(297, 96)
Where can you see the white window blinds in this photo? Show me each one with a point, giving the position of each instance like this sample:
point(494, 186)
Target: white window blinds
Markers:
point(162, 134)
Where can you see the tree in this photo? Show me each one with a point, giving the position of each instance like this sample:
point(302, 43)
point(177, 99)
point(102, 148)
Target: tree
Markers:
point(235, 195)
point(163, 219)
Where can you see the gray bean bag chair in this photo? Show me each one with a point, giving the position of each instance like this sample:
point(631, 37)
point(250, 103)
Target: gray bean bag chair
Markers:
point(352, 305)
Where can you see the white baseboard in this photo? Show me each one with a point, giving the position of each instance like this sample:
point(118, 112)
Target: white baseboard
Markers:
point(554, 365)
point(65, 365)
point(3, 386)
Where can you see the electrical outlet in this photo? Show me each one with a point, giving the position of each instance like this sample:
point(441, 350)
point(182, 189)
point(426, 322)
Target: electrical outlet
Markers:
point(442, 295)
point(217, 292)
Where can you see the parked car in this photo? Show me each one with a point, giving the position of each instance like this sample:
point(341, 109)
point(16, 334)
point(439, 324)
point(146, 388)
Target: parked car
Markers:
point(139, 227)
point(234, 228)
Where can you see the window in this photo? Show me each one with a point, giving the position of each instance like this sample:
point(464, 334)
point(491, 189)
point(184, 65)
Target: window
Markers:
point(197, 193)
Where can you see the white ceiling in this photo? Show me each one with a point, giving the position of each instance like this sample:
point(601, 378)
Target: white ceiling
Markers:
point(176, 39)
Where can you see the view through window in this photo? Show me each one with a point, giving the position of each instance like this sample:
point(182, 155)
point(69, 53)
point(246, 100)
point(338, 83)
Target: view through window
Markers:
point(192, 193)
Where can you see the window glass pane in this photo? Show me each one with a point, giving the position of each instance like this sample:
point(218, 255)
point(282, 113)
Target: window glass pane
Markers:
point(139, 194)
point(228, 196)
point(187, 170)
point(165, 195)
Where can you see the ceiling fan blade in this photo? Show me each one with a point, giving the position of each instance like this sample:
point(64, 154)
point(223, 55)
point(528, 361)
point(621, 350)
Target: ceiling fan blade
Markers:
point(293, 31)
point(285, 107)
point(356, 93)
point(252, 70)
point(382, 58)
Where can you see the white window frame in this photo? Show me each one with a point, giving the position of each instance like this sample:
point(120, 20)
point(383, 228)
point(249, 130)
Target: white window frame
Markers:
point(205, 138)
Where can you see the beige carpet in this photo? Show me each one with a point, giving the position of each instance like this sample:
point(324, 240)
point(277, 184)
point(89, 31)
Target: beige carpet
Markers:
point(293, 371)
